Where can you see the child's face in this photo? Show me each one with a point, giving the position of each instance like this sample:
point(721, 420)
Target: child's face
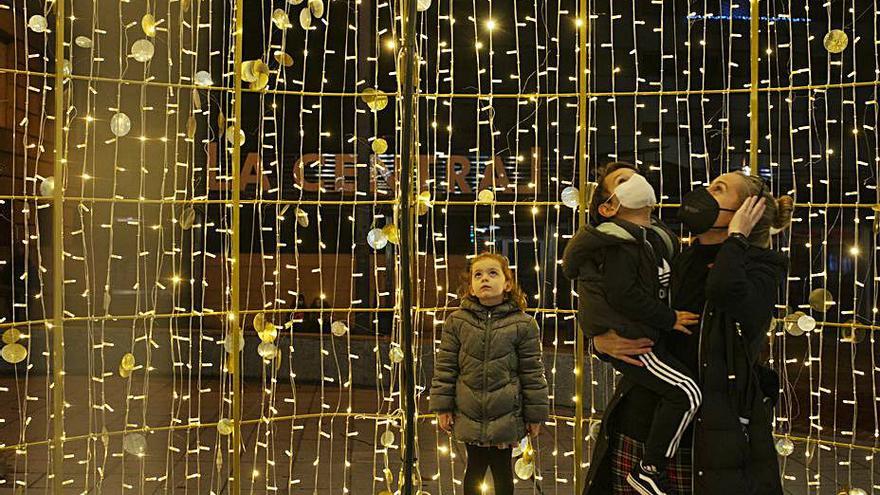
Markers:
point(610, 208)
point(488, 282)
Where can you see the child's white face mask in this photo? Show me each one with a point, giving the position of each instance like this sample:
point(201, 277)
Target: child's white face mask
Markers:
point(635, 193)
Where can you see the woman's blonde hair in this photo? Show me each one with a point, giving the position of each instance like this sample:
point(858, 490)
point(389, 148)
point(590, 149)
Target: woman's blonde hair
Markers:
point(514, 295)
point(777, 216)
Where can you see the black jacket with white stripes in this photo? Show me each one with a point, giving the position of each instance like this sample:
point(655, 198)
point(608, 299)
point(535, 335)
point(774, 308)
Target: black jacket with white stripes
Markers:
point(618, 278)
point(733, 449)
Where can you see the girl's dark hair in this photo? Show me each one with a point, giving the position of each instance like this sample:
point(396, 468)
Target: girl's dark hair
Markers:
point(514, 295)
point(601, 193)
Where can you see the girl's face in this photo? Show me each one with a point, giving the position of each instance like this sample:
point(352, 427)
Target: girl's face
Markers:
point(488, 282)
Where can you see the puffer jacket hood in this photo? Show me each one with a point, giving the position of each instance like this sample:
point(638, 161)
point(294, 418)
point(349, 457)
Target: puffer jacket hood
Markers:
point(489, 372)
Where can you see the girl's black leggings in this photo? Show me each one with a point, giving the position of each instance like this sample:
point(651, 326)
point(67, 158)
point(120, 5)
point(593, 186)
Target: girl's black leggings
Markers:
point(481, 458)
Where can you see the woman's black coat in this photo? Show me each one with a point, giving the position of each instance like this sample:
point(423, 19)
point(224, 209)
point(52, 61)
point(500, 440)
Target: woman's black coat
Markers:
point(733, 449)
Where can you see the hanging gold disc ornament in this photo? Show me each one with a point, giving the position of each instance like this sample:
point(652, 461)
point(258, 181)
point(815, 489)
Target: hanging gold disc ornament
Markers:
point(387, 439)
point(379, 146)
point(38, 23)
point(224, 426)
point(11, 336)
point(395, 354)
point(259, 322)
point(525, 465)
point(835, 41)
point(391, 233)
point(806, 323)
point(423, 5)
point(338, 328)
point(820, 300)
point(187, 218)
point(595, 428)
point(203, 79)
point(280, 19)
point(302, 218)
point(374, 99)
point(283, 58)
point(191, 127)
point(571, 197)
point(520, 447)
point(134, 444)
point(196, 101)
point(256, 72)
point(424, 202)
point(13, 353)
point(784, 447)
point(316, 7)
point(47, 186)
point(305, 19)
point(277, 359)
point(120, 124)
point(227, 342)
point(486, 196)
point(142, 50)
point(376, 239)
point(148, 24)
point(83, 42)
point(267, 351)
point(524, 469)
point(790, 324)
point(230, 136)
point(852, 334)
point(269, 333)
point(126, 365)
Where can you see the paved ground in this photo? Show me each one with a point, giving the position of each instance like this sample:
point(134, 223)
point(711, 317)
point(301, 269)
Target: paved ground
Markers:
point(309, 455)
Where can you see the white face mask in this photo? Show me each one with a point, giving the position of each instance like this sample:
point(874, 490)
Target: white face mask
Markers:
point(636, 193)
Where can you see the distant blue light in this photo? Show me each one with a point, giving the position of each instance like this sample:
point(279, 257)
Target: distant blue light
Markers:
point(738, 17)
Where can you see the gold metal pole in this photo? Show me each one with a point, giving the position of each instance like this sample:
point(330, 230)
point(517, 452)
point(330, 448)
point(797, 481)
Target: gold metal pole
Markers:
point(408, 248)
point(583, 129)
point(58, 261)
point(754, 16)
point(235, 321)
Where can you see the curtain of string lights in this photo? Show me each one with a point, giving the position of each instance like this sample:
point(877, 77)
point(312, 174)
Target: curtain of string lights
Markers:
point(221, 192)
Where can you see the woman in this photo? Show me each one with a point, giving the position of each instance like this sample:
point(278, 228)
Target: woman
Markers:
point(729, 276)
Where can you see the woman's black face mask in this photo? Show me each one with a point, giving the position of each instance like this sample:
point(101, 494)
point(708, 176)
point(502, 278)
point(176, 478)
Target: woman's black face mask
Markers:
point(699, 211)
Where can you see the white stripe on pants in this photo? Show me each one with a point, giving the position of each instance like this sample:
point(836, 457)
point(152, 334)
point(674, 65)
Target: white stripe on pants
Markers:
point(677, 379)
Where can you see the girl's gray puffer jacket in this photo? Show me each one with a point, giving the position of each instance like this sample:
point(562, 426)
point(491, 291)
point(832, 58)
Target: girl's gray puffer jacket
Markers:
point(490, 373)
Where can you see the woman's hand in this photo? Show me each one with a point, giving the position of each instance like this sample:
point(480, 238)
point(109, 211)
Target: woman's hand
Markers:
point(446, 420)
point(747, 216)
point(621, 348)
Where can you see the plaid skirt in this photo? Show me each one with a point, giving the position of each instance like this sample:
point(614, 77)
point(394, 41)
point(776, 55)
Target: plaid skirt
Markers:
point(626, 452)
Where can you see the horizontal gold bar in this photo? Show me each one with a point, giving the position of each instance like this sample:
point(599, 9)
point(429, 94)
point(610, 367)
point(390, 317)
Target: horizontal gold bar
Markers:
point(483, 96)
point(337, 202)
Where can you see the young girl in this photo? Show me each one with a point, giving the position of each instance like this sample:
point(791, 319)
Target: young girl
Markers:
point(489, 386)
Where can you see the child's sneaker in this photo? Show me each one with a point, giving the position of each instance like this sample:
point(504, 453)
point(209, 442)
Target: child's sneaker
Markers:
point(647, 480)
